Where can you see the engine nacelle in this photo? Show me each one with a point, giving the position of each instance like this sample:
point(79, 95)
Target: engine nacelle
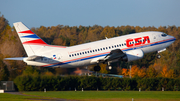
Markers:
point(133, 55)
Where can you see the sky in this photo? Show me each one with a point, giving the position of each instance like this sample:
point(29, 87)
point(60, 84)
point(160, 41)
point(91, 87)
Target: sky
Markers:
point(36, 13)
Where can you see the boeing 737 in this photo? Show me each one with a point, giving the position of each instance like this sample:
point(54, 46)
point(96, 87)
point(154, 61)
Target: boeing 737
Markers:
point(122, 48)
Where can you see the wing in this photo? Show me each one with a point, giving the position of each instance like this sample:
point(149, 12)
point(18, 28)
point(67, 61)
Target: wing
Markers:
point(116, 54)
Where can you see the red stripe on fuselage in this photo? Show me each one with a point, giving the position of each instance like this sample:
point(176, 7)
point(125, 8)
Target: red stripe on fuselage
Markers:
point(104, 53)
point(146, 44)
point(75, 59)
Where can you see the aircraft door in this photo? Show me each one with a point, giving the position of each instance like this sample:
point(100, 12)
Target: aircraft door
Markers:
point(155, 37)
point(59, 57)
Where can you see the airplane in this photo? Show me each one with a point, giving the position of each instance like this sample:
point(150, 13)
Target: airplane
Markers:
point(127, 48)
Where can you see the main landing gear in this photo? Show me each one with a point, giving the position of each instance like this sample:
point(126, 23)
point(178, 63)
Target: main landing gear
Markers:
point(97, 68)
point(108, 67)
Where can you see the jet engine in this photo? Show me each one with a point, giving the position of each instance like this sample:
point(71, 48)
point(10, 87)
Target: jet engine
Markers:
point(133, 55)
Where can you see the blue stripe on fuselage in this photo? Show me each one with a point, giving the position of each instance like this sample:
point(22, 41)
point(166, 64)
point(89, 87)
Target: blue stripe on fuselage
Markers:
point(107, 53)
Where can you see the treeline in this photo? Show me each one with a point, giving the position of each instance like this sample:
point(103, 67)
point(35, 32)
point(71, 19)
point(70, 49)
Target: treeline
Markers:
point(58, 83)
point(10, 46)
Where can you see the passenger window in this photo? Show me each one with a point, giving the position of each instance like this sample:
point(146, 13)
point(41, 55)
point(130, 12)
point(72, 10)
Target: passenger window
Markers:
point(103, 48)
point(122, 44)
point(98, 49)
point(90, 51)
point(106, 47)
point(72, 55)
point(82, 52)
point(93, 50)
point(87, 51)
point(117, 45)
point(69, 55)
point(125, 44)
point(109, 47)
point(112, 47)
point(77, 53)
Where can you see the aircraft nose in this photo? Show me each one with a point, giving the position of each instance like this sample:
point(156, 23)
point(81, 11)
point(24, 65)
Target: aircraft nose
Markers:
point(173, 38)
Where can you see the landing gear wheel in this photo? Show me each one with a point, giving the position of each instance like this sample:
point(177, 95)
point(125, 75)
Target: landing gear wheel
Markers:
point(97, 68)
point(158, 56)
point(108, 67)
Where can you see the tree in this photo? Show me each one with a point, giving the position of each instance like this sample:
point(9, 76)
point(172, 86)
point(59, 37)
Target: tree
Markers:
point(134, 70)
point(125, 72)
point(30, 71)
point(167, 73)
point(142, 72)
point(151, 72)
point(4, 72)
point(3, 23)
point(103, 68)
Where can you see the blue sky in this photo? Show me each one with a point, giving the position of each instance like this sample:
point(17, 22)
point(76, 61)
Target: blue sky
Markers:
point(36, 13)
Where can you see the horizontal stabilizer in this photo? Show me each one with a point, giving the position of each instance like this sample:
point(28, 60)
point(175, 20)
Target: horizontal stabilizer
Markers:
point(15, 58)
point(31, 58)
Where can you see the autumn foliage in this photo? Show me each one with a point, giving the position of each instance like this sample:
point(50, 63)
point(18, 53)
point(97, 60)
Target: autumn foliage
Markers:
point(149, 66)
point(149, 72)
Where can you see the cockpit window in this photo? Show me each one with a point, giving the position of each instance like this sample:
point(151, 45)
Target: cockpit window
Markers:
point(164, 34)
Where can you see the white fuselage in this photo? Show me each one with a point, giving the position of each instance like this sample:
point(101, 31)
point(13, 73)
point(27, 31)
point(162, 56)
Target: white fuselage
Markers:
point(89, 53)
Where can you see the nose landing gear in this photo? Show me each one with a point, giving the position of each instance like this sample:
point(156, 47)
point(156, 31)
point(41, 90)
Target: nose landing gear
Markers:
point(158, 56)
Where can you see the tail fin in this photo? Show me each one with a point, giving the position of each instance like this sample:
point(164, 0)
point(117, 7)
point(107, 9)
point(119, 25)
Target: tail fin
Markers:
point(30, 41)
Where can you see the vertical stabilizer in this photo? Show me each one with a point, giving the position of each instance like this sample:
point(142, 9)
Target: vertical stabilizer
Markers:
point(30, 41)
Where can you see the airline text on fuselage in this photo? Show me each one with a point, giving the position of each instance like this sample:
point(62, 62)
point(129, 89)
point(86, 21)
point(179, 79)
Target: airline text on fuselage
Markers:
point(137, 41)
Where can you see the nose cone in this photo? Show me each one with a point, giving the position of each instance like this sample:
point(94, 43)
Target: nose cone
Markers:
point(172, 38)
